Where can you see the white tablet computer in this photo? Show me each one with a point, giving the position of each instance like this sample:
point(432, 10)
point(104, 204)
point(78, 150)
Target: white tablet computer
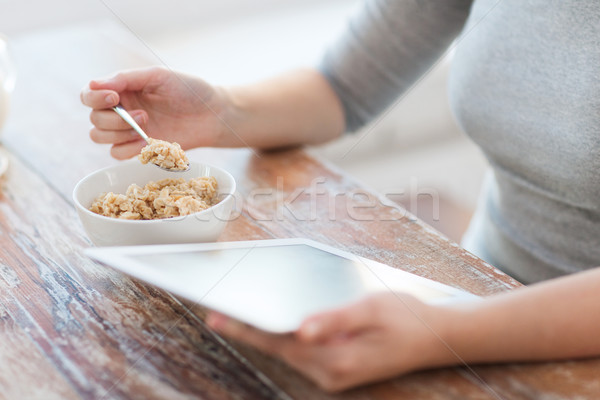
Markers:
point(271, 284)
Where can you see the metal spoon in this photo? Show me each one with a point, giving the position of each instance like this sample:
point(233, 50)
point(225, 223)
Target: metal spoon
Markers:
point(129, 119)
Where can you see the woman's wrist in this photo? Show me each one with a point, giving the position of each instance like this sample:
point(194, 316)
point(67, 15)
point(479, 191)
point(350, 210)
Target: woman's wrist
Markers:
point(231, 121)
point(293, 109)
point(452, 334)
point(462, 333)
point(446, 337)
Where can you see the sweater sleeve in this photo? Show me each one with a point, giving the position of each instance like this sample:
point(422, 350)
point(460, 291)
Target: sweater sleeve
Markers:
point(387, 46)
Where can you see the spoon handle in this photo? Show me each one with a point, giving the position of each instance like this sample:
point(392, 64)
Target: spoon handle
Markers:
point(129, 119)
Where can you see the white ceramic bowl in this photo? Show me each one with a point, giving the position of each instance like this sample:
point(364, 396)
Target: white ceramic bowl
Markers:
point(204, 226)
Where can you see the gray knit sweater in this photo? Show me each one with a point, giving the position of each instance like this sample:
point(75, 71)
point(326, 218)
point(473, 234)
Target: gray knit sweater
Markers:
point(525, 86)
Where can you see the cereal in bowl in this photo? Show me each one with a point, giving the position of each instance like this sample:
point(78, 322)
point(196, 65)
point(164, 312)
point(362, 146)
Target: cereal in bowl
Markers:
point(158, 200)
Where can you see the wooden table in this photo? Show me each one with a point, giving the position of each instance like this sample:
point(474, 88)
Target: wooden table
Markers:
point(71, 328)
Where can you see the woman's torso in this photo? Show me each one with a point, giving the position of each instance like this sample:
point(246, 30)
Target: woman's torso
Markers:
point(525, 86)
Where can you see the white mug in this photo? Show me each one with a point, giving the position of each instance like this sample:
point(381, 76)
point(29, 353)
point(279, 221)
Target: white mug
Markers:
point(7, 79)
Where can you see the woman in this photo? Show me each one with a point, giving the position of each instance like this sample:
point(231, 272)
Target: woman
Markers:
point(524, 85)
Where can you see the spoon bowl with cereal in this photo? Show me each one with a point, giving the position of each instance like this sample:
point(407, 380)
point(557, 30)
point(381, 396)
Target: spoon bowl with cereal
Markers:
point(165, 155)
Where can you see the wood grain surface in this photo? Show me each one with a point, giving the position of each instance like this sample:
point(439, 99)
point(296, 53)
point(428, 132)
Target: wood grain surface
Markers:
point(70, 328)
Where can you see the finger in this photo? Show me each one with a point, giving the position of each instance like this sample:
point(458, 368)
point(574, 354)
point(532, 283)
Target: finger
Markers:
point(331, 367)
point(134, 79)
point(113, 137)
point(216, 320)
point(266, 342)
point(127, 150)
point(110, 120)
point(99, 99)
point(338, 323)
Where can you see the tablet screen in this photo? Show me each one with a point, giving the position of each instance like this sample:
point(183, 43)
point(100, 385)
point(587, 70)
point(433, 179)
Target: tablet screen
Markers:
point(274, 287)
point(277, 282)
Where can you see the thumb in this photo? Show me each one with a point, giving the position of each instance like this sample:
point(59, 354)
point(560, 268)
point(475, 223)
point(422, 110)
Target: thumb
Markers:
point(134, 79)
point(331, 324)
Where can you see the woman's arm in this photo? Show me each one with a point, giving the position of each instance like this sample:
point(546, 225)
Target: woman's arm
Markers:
point(298, 107)
point(552, 320)
point(390, 334)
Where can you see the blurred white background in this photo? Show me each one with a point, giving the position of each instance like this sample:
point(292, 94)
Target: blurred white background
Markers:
point(414, 151)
